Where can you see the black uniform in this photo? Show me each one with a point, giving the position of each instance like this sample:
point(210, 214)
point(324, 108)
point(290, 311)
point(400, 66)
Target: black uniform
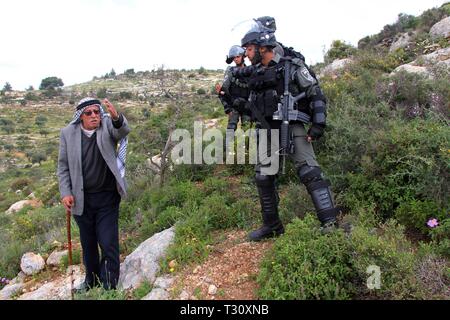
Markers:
point(267, 88)
point(235, 98)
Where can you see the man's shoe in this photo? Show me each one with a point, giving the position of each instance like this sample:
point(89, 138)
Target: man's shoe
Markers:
point(266, 232)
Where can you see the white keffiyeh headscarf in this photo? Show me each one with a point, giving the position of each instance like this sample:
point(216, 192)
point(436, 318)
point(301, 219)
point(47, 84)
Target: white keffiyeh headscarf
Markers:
point(123, 143)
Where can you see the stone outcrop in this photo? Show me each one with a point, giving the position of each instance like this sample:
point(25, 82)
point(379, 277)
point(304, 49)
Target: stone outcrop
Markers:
point(31, 263)
point(335, 67)
point(401, 42)
point(160, 289)
point(22, 204)
point(143, 263)
point(56, 257)
point(441, 29)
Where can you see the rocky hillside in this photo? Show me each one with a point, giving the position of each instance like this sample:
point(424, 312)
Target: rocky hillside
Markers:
point(183, 228)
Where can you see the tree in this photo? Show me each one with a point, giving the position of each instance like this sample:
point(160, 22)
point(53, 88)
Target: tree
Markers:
point(7, 87)
point(51, 83)
point(112, 74)
point(339, 50)
point(38, 157)
point(129, 72)
point(30, 88)
point(40, 120)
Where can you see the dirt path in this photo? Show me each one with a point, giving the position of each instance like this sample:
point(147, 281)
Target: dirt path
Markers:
point(229, 273)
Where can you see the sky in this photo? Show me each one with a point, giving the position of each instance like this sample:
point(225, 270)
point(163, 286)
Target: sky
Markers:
point(78, 39)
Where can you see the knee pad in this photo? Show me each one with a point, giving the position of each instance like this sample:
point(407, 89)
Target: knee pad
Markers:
point(308, 174)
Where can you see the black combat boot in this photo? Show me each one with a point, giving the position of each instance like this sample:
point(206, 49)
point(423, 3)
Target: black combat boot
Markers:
point(319, 190)
point(272, 225)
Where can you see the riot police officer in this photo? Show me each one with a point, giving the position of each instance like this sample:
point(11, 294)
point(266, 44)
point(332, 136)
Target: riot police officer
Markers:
point(233, 93)
point(266, 82)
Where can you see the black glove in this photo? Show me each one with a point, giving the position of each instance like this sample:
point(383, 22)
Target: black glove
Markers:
point(316, 131)
point(239, 103)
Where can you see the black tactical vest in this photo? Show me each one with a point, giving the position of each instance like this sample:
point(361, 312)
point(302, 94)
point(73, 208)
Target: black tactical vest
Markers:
point(238, 89)
point(268, 86)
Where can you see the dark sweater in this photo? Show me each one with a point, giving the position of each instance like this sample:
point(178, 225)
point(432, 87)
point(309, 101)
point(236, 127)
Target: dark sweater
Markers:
point(97, 177)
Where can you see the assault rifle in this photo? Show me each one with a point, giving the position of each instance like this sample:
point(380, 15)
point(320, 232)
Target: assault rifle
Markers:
point(286, 113)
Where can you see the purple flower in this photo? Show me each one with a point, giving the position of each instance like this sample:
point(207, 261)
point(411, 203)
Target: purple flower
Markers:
point(432, 223)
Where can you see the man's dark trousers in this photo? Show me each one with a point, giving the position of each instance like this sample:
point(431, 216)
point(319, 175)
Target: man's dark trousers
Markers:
point(99, 225)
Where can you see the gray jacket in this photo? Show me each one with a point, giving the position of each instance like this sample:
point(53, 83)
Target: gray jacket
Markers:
point(70, 174)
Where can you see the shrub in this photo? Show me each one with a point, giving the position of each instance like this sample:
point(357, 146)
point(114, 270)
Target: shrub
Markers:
point(339, 50)
point(51, 83)
point(125, 95)
point(201, 91)
point(38, 157)
point(304, 264)
point(202, 71)
point(129, 72)
point(441, 238)
point(392, 253)
point(402, 163)
point(7, 87)
point(102, 93)
point(416, 214)
point(20, 183)
point(40, 120)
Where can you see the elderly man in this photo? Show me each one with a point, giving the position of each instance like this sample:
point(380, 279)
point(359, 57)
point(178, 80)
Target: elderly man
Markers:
point(91, 169)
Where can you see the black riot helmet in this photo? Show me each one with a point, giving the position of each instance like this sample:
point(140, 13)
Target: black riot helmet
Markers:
point(267, 39)
point(253, 34)
point(235, 51)
point(250, 37)
point(268, 22)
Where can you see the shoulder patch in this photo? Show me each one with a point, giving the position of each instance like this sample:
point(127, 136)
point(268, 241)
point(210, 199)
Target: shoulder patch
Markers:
point(304, 71)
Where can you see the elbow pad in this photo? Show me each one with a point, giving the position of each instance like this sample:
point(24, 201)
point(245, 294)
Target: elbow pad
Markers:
point(319, 112)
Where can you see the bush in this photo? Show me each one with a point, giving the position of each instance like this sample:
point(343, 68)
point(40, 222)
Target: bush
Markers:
point(51, 83)
point(40, 120)
point(416, 214)
point(201, 91)
point(125, 95)
point(129, 73)
point(102, 93)
point(400, 164)
point(339, 50)
point(20, 183)
point(387, 249)
point(304, 264)
point(441, 238)
point(38, 157)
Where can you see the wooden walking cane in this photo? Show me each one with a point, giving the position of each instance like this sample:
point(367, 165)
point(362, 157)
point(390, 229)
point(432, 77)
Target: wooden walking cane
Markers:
point(69, 242)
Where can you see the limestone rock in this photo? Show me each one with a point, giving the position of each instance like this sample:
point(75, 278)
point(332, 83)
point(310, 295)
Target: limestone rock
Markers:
point(441, 29)
point(412, 69)
point(401, 42)
point(157, 294)
point(143, 263)
point(31, 263)
point(212, 290)
point(58, 289)
point(55, 258)
point(336, 66)
point(21, 204)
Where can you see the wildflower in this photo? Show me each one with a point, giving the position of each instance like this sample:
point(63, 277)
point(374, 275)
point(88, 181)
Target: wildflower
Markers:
point(432, 223)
